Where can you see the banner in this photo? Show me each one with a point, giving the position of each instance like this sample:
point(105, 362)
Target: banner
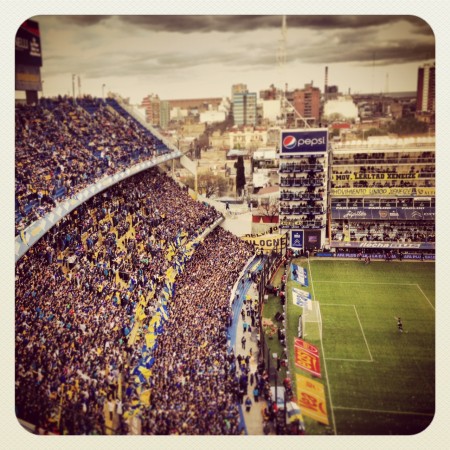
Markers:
point(312, 140)
point(416, 256)
point(299, 274)
point(385, 245)
point(386, 213)
point(267, 242)
point(307, 357)
point(399, 191)
point(296, 238)
point(311, 399)
point(374, 176)
point(300, 298)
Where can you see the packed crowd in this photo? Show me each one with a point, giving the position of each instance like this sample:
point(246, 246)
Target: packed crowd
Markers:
point(401, 231)
point(77, 291)
point(423, 172)
point(382, 184)
point(311, 180)
point(194, 386)
point(385, 158)
point(300, 222)
point(61, 148)
point(396, 202)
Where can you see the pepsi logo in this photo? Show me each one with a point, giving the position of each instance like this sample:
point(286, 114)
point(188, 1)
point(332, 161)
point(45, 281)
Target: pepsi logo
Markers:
point(289, 142)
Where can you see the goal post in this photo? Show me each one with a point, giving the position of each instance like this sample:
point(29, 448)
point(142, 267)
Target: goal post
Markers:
point(311, 320)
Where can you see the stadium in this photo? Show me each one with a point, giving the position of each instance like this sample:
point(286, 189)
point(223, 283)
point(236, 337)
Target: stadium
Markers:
point(139, 310)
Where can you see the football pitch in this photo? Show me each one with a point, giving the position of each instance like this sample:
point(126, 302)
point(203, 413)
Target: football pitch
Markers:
point(377, 381)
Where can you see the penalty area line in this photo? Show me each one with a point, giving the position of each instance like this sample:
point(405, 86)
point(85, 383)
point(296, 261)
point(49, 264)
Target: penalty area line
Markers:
point(423, 293)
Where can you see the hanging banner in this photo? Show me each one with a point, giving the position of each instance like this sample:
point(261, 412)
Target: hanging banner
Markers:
point(296, 238)
point(301, 298)
point(307, 357)
point(385, 245)
point(386, 213)
point(311, 399)
point(299, 274)
point(381, 191)
point(374, 176)
point(267, 242)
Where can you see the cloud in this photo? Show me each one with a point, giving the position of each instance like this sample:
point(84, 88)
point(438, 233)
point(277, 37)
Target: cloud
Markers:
point(393, 53)
point(84, 21)
point(226, 23)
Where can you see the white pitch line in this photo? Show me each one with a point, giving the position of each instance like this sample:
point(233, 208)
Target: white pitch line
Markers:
point(364, 336)
point(337, 304)
point(420, 289)
point(324, 359)
point(351, 360)
point(385, 411)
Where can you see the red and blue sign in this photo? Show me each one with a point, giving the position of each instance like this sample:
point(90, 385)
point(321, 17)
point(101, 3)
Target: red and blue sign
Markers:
point(312, 140)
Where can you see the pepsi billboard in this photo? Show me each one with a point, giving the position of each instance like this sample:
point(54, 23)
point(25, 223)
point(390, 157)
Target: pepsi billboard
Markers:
point(294, 142)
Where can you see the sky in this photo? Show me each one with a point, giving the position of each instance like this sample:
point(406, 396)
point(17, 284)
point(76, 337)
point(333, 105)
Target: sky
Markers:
point(191, 56)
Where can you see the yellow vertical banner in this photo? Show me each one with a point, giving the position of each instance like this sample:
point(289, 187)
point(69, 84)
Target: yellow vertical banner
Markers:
point(311, 399)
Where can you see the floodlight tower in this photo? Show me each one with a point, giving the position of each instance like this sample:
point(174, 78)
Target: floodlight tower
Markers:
point(285, 106)
point(281, 63)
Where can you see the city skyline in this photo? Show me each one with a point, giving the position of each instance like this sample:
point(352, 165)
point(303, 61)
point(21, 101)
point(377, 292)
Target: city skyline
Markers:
point(203, 56)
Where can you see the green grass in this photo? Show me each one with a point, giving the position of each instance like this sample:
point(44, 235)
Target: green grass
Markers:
point(271, 307)
point(377, 381)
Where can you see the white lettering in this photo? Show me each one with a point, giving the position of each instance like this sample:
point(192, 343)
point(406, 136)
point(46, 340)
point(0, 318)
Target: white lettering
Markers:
point(311, 142)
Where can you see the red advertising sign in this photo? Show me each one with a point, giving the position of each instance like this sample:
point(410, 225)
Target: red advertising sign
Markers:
point(307, 357)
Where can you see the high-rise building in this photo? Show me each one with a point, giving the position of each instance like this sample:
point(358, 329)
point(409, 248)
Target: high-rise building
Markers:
point(164, 114)
point(307, 101)
point(152, 105)
point(270, 94)
point(426, 88)
point(244, 108)
point(238, 89)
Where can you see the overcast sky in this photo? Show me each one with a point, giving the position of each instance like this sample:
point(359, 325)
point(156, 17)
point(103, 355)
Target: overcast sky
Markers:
point(202, 56)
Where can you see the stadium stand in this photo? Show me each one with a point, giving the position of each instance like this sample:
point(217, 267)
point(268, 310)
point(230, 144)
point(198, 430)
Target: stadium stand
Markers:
point(383, 195)
point(78, 291)
point(63, 146)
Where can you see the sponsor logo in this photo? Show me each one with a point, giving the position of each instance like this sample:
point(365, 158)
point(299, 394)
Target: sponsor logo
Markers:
point(289, 142)
point(351, 214)
point(383, 214)
point(387, 245)
point(311, 142)
point(416, 215)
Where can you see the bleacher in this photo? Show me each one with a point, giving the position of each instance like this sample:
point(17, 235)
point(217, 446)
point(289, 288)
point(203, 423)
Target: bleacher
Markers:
point(103, 259)
point(70, 145)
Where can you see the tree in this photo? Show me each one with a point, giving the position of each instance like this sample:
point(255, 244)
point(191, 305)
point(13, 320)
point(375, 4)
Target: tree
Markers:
point(270, 208)
point(373, 132)
point(240, 175)
point(208, 184)
point(408, 125)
